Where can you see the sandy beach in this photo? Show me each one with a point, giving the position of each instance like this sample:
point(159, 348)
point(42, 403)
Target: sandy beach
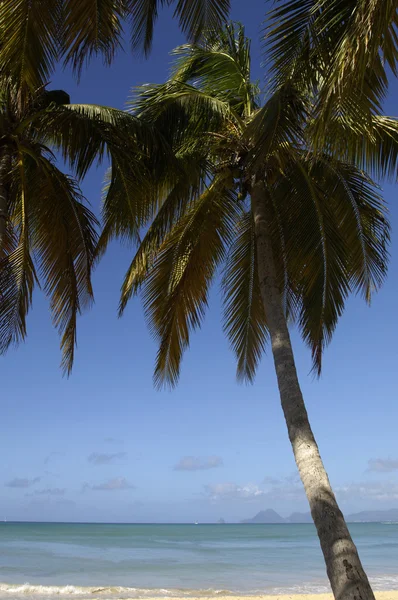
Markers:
point(384, 595)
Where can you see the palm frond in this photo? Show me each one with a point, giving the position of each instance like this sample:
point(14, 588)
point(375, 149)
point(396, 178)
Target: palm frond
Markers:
point(338, 50)
point(87, 133)
point(176, 289)
point(287, 35)
point(381, 157)
point(317, 255)
point(29, 40)
point(220, 67)
point(198, 16)
point(195, 17)
point(362, 215)
point(277, 128)
point(244, 316)
point(180, 111)
point(353, 107)
point(118, 209)
point(8, 243)
point(64, 236)
point(143, 16)
point(366, 31)
point(17, 275)
point(373, 148)
point(35, 34)
point(179, 195)
point(91, 27)
point(336, 236)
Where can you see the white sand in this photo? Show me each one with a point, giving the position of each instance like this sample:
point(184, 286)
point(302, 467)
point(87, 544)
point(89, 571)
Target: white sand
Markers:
point(391, 595)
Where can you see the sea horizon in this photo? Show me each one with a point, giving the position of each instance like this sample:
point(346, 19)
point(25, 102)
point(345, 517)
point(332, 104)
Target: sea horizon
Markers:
point(193, 523)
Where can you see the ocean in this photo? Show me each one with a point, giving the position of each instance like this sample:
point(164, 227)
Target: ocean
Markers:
point(51, 560)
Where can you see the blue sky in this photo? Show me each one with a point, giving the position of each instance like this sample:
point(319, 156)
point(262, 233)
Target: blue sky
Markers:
point(105, 446)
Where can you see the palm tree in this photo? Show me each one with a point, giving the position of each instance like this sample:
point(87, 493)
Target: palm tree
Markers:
point(296, 231)
point(47, 232)
point(35, 35)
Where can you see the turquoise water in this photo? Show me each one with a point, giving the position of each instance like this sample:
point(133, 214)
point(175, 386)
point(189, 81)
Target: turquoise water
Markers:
point(130, 561)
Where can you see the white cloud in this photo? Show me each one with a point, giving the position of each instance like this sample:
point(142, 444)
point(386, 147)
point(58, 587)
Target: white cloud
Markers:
point(228, 490)
point(369, 491)
point(22, 482)
point(97, 458)
point(292, 479)
point(289, 491)
point(115, 484)
point(383, 465)
point(196, 463)
point(272, 491)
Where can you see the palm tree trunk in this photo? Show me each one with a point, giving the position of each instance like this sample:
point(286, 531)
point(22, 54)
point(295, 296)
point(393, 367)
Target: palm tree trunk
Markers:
point(4, 170)
point(347, 577)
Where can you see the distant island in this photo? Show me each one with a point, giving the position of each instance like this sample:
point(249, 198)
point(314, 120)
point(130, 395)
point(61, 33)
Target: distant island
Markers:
point(374, 516)
point(270, 516)
point(266, 516)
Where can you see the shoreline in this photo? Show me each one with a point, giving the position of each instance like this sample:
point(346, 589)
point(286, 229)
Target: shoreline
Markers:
point(19, 591)
point(380, 595)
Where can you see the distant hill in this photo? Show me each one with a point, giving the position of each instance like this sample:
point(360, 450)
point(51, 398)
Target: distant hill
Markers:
point(266, 516)
point(366, 516)
point(374, 516)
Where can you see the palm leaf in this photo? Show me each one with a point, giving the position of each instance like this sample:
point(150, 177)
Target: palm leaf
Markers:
point(288, 30)
point(373, 148)
point(336, 235)
point(29, 40)
point(175, 293)
point(91, 27)
point(198, 16)
point(219, 67)
point(317, 255)
point(180, 111)
point(143, 15)
point(126, 205)
point(64, 237)
point(180, 195)
point(17, 275)
point(381, 157)
point(87, 133)
point(363, 222)
point(195, 16)
point(367, 29)
point(338, 50)
point(277, 127)
point(244, 316)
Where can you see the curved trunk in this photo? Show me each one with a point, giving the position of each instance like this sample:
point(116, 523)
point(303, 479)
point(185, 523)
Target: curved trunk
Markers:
point(344, 569)
point(4, 170)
